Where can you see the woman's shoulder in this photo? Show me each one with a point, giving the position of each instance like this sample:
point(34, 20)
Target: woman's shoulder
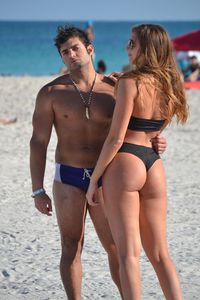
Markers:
point(134, 76)
point(126, 82)
point(127, 79)
point(126, 86)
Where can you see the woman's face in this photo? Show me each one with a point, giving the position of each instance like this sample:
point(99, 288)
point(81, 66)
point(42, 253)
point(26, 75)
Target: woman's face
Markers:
point(133, 48)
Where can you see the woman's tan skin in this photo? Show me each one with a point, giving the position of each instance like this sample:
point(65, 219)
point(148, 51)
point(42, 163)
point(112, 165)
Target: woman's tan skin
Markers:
point(135, 200)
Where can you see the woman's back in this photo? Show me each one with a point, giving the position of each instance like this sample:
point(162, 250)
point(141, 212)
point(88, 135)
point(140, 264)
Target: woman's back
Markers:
point(146, 119)
point(148, 103)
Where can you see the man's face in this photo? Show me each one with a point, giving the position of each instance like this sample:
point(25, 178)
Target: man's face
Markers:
point(74, 53)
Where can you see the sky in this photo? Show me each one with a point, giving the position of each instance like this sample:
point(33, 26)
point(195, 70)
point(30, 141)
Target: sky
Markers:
point(110, 10)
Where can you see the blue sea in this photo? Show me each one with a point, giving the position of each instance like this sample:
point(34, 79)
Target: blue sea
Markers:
point(27, 48)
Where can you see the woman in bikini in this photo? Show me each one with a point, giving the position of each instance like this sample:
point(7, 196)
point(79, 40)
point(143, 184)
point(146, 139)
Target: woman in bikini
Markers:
point(134, 183)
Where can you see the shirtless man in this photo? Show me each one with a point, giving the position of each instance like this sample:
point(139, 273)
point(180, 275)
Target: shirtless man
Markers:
point(80, 106)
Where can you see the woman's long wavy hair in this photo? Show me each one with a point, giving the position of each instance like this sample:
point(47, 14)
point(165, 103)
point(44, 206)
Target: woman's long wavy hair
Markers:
point(156, 59)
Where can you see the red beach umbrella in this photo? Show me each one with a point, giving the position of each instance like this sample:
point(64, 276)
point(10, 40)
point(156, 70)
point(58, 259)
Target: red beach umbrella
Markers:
point(187, 42)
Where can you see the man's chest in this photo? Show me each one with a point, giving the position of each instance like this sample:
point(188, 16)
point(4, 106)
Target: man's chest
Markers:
point(71, 104)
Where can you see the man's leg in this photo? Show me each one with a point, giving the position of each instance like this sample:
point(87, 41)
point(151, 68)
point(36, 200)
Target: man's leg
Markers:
point(103, 231)
point(70, 205)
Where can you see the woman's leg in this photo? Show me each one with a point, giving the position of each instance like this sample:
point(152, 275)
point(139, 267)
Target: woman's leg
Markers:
point(103, 231)
point(153, 213)
point(121, 182)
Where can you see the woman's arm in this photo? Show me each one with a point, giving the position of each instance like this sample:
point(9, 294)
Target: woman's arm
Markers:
point(126, 94)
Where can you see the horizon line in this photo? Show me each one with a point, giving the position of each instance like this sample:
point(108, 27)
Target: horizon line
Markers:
point(106, 20)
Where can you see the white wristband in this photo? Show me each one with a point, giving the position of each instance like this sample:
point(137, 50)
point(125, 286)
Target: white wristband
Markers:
point(38, 192)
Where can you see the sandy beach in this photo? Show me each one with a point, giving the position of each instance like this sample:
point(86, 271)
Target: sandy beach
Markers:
point(30, 242)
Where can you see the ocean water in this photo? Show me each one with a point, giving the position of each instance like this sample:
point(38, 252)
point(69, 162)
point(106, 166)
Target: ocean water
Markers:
point(27, 48)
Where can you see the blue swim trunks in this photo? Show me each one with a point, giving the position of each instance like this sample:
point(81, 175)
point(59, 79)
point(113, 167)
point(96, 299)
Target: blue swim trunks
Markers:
point(78, 177)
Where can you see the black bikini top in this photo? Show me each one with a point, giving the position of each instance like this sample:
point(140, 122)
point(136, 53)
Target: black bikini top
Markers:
point(146, 125)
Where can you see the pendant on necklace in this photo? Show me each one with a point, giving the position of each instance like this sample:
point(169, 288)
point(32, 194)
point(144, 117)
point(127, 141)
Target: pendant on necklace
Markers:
point(86, 102)
point(87, 112)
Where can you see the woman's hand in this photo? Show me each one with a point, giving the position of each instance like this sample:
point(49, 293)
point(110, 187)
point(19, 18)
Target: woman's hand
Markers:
point(91, 194)
point(114, 76)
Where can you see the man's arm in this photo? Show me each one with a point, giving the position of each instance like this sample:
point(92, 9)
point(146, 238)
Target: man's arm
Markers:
point(159, 144)
point(43, 118)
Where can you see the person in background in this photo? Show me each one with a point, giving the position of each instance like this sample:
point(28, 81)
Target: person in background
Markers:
point(89, 30)
point(134, 183)
point(126, 68)
point(192, 72)
point(101, 67)
point(7, 121)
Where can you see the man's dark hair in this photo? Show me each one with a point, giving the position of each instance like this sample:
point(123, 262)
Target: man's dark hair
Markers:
point(64, 33)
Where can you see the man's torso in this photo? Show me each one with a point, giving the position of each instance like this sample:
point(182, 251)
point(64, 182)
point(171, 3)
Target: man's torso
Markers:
point(80, 140)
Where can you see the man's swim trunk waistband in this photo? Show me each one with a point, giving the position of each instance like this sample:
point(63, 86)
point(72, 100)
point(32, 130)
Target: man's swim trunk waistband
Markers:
point(78, 177)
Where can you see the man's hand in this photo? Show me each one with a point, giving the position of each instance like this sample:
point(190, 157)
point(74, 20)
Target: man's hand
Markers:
point(159, 144)
point(43, 204)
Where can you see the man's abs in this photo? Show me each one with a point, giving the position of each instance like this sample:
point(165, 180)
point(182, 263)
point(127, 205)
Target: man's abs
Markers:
point(83, 156)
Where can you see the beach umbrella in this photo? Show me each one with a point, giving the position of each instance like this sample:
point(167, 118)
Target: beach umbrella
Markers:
point(187, 42)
